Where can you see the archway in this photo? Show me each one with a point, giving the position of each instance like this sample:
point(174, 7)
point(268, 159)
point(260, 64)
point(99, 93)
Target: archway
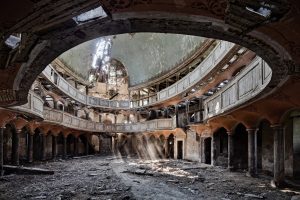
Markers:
point(37, 145)
point(292, 144)
point(70, 145)
point(207, 150)
point(220, 138)
point(240, 137)
point(265, 149)
point(170, 150)
point(7, 143)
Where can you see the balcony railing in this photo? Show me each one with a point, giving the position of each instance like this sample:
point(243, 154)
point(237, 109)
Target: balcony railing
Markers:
point(70, 121)
point(194, 77)
point(34, 106)
point(183, 85)
point(245, 86)
point(74, 93)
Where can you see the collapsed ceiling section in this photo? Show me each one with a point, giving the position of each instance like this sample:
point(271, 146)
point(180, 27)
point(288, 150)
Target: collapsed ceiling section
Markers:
point(145, 56)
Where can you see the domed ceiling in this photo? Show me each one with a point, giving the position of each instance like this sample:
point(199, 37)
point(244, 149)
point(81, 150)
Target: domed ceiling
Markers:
point(144, 55)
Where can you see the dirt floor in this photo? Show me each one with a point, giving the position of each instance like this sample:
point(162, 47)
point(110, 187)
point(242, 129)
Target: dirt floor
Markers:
point(113, 178)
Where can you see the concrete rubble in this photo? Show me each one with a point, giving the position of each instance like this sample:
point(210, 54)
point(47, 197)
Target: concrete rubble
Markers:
point(128, 178)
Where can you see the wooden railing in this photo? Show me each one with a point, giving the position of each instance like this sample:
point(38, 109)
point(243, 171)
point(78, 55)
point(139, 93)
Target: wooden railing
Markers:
point(70, 121)
point(245, 86)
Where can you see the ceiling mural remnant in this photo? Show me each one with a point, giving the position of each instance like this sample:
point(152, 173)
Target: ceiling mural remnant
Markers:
point(144, 55)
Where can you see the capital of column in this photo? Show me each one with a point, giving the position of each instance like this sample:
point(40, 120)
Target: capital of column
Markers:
point(229, 133)
point(277, 126)
point(251, 130)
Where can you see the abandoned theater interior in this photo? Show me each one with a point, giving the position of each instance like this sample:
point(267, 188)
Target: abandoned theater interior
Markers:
point(150, 99)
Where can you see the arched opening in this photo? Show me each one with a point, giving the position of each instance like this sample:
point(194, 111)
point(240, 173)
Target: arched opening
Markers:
point(162, 144)
point(60, 144)
point(7, 143)
point(152, 148)
point(292, 144)
point(220, 147)
point(23, 145)
point(240, 139)
point(37, 145)
point(70, 145)
point(170, 151)
point(207, 150)
point(265, 149)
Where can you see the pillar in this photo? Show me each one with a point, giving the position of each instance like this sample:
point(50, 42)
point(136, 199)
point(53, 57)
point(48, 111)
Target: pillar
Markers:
point(230, 151)
point(86, 146)
point(15, 147)
point(1, 151)
point(44, 147)
point(54, 146)
point(99, 138)
point(76, 146)
point(64, 147)
point(166, 147)
point(213, 150)
point(252, 152)
point(278, 155)
point(30, 148)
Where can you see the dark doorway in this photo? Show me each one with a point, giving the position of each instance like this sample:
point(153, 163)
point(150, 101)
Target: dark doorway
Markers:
point(207, 150)
point(240, 147)
point(171, 146)
point(37, 145)
point(179, 149)
point(265, 151)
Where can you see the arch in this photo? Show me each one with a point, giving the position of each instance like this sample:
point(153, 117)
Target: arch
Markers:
point(207, 150)
point(240, 141)
point(265, 147)
point(170, 147)
point(220, 146)
point(291, 126)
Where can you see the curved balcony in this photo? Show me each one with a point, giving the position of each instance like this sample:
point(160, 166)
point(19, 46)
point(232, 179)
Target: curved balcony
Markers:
point(34, 107)
point(204, 68)
point(74, 93)
point(183, 85)
point(70, 121)
point(245, 86)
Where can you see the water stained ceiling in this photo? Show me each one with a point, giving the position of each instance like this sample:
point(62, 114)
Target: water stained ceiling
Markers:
point(144, 55)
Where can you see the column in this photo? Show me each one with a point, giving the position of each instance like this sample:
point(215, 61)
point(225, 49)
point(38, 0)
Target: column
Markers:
point(166, 147)
point(214, 150)
point(278, 155)
point(252, 155)
point(1, 151)
point(15, 147)
point(64, 147)
point(76, 146)
point(86, 146)
point(99, 138)
point(230, 151)
point(30, 148)
point(176, 115)
point(44, 147)
point(54, 146)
